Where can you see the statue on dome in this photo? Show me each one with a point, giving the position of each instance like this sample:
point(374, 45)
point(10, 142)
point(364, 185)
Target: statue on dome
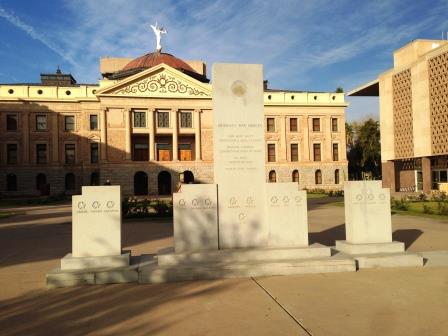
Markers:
point(158, 31)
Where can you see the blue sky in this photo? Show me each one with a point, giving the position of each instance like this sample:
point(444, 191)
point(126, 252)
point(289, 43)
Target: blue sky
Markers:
point(311, 45)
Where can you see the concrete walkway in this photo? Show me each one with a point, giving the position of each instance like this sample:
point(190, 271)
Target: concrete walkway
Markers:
point(370, 302)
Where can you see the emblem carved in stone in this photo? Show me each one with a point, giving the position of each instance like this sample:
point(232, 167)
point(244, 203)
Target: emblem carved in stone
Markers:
point(195, 202)
point(370, 197)
point(359, 197)
point(274, 199)
point(208, 202)
point(242, 216)
point(96, 205)
point(110, 204)
point(182, 202)
point(233, 201)
point(286, 199)
point(81, 205)
point(382, 197)
point(298, 199)
point(250, 201)
point(162, 83)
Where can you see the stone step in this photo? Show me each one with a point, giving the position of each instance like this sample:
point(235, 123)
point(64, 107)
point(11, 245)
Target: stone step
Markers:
point(168, 258)
point(151, 272)
point(389, 260)
point(369, 248)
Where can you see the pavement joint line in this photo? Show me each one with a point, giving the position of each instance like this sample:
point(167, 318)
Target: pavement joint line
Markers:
point(282, 307)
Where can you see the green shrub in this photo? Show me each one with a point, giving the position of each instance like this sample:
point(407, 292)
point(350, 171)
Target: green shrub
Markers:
point(442, 208)
point(427, 209)
point(401, 204)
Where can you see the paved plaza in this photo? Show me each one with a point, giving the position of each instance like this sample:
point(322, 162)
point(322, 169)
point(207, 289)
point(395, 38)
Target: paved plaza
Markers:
point(411, 301)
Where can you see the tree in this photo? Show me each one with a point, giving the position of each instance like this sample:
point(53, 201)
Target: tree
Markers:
point(363, 149)
point(339, 90)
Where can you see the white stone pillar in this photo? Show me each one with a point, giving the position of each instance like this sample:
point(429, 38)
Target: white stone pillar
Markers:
point(197, 134)
point(127, 116)
point(55, 137)
point(175, 134)
point(152, 131)
point(26, 137)
point(103, 150)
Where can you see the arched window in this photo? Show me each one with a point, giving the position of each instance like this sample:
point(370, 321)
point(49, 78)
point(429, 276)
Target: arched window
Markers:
point(140, 183)
point(164, 183)
point(41, 181)
point(336, 176)
point(318, 177)
point(70, 181)
point(272, 176)
point(295, 176)
point(188, 177)
point(95, 179)
point(11, 182)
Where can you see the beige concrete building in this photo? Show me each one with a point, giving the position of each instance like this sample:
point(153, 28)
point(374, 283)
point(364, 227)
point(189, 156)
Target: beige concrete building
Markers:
point(413, 116)
point(148, 121)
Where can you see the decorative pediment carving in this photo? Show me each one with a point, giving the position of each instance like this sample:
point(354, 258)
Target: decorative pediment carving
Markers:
point(161, 84)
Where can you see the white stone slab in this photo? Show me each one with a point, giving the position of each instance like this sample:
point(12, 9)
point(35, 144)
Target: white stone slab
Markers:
point(367, 212)
point(69, 262)
point(195, 217)
point(239, 154)
point(370, 248)
point(389, 260)
point(286, 214)
point(96, 222)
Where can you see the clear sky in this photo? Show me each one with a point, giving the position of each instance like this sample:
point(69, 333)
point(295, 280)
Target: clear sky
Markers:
point(309, 45)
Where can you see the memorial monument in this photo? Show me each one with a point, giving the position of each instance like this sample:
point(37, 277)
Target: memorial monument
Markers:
point(368, 227)
point(241, 225)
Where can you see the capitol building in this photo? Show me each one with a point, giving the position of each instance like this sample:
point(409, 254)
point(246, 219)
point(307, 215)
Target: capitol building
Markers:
point(148, 124)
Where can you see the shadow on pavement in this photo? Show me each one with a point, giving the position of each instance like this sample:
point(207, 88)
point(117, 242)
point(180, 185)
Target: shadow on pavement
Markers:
point(329, 236)
point(407, 236)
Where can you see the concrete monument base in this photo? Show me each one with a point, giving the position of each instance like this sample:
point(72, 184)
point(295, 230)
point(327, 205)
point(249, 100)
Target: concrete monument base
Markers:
point(241, 263)
point(369, 248)
point(76, 263)
point(380, 254)
point(94, 276)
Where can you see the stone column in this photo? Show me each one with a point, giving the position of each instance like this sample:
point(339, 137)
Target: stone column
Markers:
point(426, 170)
point(127, 116)
point(55, 137)
point(26, 137)
point(103, 149)
point(282, 150)
point(175, 134)
point(197, 134)
point(388, 175)
point(152, 131)
point(305, 121)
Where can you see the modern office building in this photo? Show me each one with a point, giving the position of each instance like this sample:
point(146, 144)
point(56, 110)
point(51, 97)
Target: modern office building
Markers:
point(147, 121)
point(413, 116)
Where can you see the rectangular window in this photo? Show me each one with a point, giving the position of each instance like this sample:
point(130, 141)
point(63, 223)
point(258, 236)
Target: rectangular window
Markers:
point(11, 153)
point(41, 153)
point(271, 124)
point(94, 146)
point(293, 124)
point(41, 122)
point(185, 120)
point(316, 152)
point(294, 152)
point(271, 152)
point(69, 123)
point(69, 153)
point(163, 152)
point(185, 152)
point(139, 119)
point(334, 124)
point(335, 152)
point(93, 122)
point(316, 124)
point(163, 119)
point(11, 122)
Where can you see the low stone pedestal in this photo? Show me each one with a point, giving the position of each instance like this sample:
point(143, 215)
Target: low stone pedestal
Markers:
point(239, 263)
point(380, 254)
point(75, 263)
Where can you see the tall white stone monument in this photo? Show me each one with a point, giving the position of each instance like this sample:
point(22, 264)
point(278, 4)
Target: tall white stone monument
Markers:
point(96, 230)
point(368, 227)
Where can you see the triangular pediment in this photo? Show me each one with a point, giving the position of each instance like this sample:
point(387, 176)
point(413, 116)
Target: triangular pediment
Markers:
point(159, 81)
